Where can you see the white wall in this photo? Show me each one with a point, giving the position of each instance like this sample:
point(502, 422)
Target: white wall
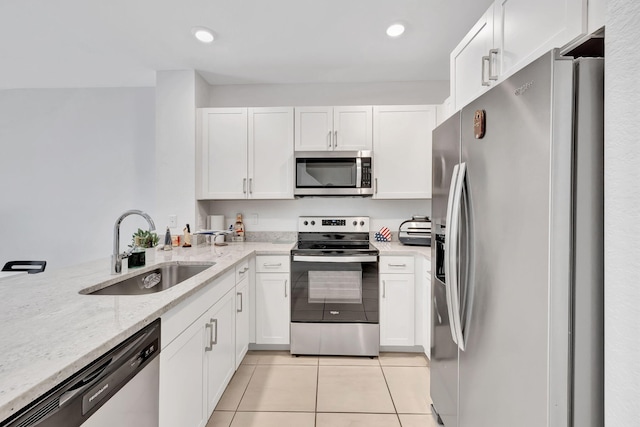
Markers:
point(71, 161)
point(292, 95)
point(178, 93)
point(282, 215)
point(622, 214)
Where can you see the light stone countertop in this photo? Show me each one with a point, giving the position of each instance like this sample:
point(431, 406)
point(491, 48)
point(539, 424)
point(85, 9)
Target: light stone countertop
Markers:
point(397, 248)
point(48, 331)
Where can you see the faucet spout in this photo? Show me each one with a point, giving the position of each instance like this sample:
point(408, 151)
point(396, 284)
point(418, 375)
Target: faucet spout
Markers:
point(117, 257)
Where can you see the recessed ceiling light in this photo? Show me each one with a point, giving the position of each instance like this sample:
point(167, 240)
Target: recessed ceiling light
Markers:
point(203, 34)
point(395, 30)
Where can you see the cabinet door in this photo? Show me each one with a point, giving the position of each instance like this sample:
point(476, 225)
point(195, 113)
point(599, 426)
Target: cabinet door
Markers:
point(221, 352)
point(272, 308)
point(270, 153)
point(224, 153)
point(402, 147)
point(242, 320)
point(352, 128)
point(526, 29)
point(397, 316)
point(313, 128)
point(182, 379)
point(466, 62)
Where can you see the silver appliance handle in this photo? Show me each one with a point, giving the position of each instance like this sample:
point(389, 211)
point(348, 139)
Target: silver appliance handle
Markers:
point(448, 274)
point(485, 60)
point(335, 259)
point(358, 172)
point(492, 53)
point(455, 230)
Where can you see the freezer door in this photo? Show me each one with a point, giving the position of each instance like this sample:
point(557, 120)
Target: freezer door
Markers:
point(514, 370)
point(444, 351)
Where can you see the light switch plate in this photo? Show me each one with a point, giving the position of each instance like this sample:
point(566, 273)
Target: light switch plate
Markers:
point(173, 221)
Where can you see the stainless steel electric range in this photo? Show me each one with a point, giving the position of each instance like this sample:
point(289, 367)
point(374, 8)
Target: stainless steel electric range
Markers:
point(334, 288)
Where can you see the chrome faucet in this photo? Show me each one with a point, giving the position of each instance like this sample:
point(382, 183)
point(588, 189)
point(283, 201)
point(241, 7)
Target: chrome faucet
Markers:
point(117, 257)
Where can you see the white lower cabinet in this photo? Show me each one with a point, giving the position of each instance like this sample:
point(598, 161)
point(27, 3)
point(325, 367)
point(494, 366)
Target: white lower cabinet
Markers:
point(198, 357)
point(397, 296)
point(273, 299)
point(182, 379)
point(221, 357)
point(242, 320)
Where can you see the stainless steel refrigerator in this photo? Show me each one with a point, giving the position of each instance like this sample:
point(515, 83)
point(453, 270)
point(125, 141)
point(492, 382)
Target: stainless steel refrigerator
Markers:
point(517, 217)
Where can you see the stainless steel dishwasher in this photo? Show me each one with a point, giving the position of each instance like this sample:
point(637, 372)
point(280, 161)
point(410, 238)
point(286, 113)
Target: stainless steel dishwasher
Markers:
point(118, 389)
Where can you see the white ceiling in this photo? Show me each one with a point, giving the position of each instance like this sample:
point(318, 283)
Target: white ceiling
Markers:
point(106, 43)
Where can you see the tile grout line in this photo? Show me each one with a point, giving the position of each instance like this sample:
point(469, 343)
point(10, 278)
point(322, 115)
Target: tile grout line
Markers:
point(391, 395)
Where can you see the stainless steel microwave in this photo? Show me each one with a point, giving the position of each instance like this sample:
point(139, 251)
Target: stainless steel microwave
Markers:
point(333, 173)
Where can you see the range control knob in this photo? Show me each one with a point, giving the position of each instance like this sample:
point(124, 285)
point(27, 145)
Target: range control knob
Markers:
point(313, 223)
point(355, 223)
point(361, 223)
point(306, 223)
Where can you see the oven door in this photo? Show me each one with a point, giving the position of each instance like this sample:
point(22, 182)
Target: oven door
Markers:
point(334, 289)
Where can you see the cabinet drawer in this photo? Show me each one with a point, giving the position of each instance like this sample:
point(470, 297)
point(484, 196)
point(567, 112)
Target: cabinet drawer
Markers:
point(272, 264)
point(242, 271)
point(397, 264)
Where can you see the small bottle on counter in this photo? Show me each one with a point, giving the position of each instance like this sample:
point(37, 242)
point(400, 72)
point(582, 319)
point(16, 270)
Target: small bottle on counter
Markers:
point(168, 244)
point(239, 228)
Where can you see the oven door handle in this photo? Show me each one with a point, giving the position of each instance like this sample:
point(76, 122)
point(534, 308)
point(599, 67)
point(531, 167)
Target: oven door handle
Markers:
point(342, 259)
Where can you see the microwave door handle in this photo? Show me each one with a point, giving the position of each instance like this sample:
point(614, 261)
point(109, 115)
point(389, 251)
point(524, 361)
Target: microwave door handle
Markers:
point(448, 274)
point(358, 172)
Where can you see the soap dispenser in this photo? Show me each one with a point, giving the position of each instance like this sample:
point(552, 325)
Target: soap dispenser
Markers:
point(167, 241)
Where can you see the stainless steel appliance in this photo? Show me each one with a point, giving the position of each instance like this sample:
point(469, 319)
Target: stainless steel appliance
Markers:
point(118, 389)
point(333, 173)
point(334, 288)
point(517, 215)
point(415, 231)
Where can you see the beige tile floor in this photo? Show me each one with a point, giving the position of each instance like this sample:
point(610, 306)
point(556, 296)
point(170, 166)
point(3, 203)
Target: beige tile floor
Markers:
point(274, 389)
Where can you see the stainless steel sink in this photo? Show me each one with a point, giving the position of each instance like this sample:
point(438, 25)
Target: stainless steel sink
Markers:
point(152, 281)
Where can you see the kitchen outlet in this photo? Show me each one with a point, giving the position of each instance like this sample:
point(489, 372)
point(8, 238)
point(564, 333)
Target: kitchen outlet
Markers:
point(253, 218)
point(173, 221)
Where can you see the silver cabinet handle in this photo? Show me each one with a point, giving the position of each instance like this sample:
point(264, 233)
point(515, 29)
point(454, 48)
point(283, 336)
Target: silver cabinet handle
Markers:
point(244, 270)
point(397, 265)
point(215, 340)
point(335, 139)
point(329, 136)
point(492, 53)
point(210, 346)
point(384, 289)
point(485, 60)
point(250, 185)
point(275, 265)
point(375, 186)
point(285, 288)
point(240, 295)
point(244, 185)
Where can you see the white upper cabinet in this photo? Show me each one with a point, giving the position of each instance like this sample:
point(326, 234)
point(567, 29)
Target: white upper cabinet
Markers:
point(512, 34)
point(402, 151)
point(527, 29)
point(470, 62)
point(224, 153)
point(333, 128)
point(247, 153)
point(270, 153)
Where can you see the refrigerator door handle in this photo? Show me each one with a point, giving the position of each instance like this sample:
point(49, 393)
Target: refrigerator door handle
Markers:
point(449, 272)
point(453, 259)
